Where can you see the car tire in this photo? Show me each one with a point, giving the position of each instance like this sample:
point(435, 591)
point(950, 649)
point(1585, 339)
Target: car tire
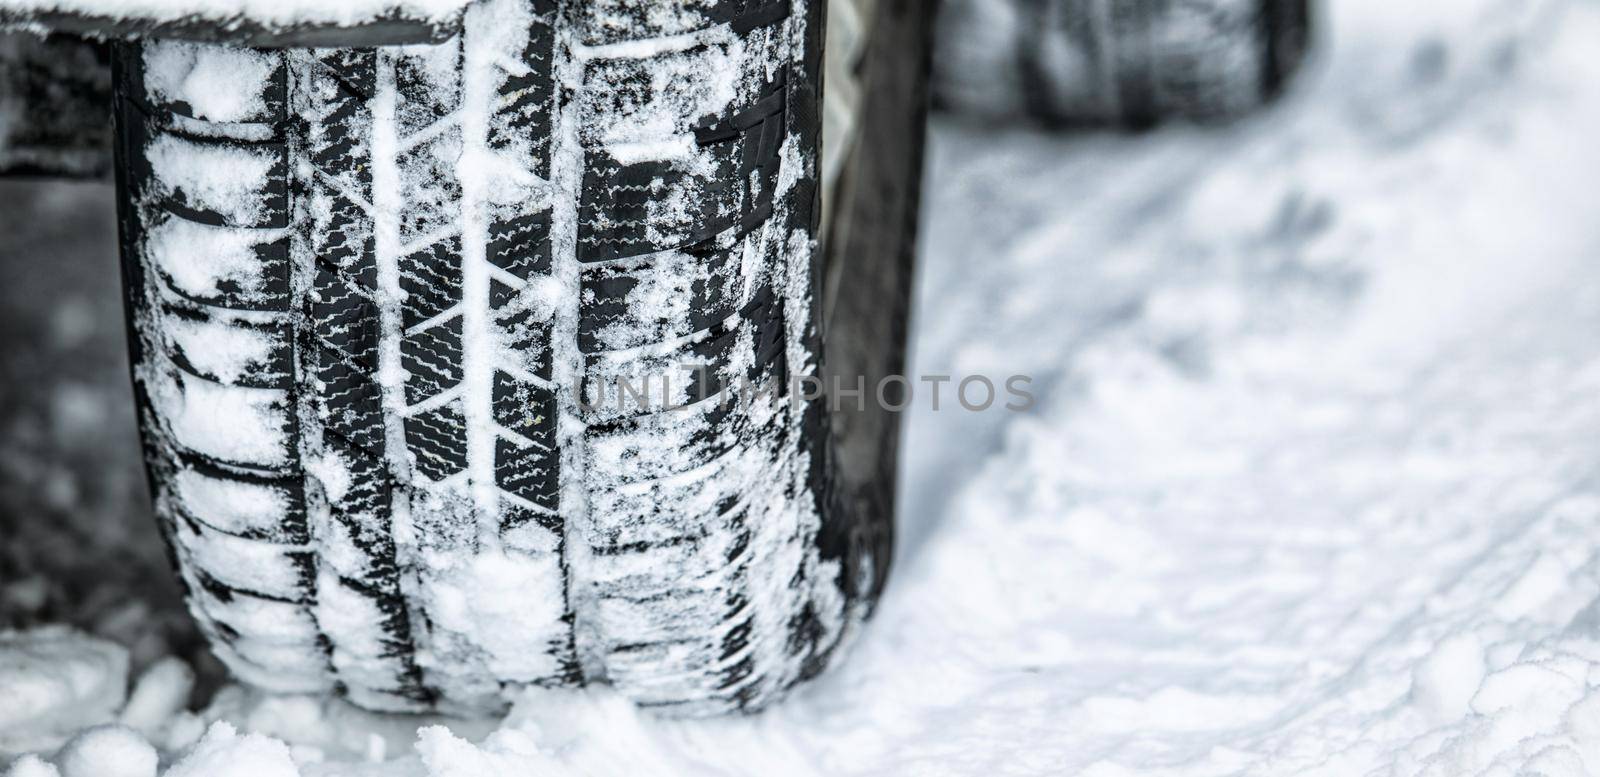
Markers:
point(390, 310)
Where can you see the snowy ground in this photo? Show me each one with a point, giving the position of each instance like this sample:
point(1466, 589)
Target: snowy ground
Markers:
point(1311, 487)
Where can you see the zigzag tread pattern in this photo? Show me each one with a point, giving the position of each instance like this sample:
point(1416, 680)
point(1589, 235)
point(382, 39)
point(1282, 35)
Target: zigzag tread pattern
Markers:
point(373, 637)
point(526, 450)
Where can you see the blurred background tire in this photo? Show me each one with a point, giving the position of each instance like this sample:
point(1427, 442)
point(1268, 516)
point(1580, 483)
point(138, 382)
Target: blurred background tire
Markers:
point(55, 106)
point(1116, 62)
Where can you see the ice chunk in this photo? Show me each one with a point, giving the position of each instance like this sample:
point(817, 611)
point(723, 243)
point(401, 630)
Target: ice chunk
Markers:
point(55, 680)
point(108, 751)
point(160, 694)
point(222, 752)
point(32, 766)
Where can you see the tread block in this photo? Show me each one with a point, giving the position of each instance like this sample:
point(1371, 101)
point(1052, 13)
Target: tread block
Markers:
point(686, 443)
point(525, 408)
point(296, 679)
point(339, 155)
point(429, 187)
point(242, 616)
point(428, 80)
point(502, 294)
point(616, 21)
point(367, 497)
point(528, 338)
point(355, 70)
point(343, 240)
point(348, 610)
point(362, 528)
point(254, 508)
point(353, 403)
point(746, 15)
point(222, 183)
point(432, 360)
point(759, 130)
point(243, 427)
point(624, 386)
point(526, 101)
point(664, 84)
point(221, 267)
point(340, 84)
point(631, 210)
point(207, 345)
point(520, 243)
point(257, 80)
point(438, 440)
point(628, 185)
point(764, 316)
point(633, 514)
point(291, 667)
point(528, 472)
point(346, 318)
point(431, 280)
point(519, 523)
point(670, 295)
point(236, 564)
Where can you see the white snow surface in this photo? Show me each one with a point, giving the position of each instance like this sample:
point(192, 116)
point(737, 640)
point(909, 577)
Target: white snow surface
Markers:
point(1310, 488)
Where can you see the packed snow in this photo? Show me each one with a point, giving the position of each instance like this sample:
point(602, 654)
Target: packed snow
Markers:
point(1309, 488)
point(268, 13)
point(51, 679)
point(217, 83)
point(225, 180)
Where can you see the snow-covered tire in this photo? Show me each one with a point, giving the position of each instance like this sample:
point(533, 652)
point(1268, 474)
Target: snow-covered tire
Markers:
point(389, 309)
point(1118, 62)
